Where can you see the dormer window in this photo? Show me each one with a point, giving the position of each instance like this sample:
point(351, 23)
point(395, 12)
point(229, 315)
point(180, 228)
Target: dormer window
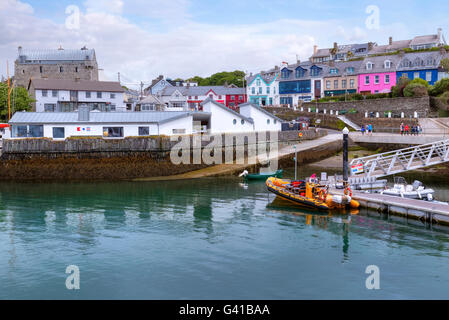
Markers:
point(387, 64)
point(369, 66)
point(285, 74)
point(315, 71)
point(334, 71)
point(300, 72)
point(350, 70)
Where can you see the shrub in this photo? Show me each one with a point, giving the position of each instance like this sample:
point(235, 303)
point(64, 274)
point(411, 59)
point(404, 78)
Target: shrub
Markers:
point(440, 87)
point(415, 90)
point(398, 89)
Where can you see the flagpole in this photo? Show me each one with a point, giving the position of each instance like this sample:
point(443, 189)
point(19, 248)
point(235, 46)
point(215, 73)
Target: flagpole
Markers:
point(9, 92)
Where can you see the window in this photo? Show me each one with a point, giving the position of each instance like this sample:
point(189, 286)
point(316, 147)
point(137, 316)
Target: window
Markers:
point(111, 108)
point(333, 71)
point(144, 131)
point(232, 98)
point(240, 98)
point(352, 83)
point(48, 107)
point(315, 71)
point(328, 84)
point(350, 70)
point(343, 84)
point(234, 121)
point(36, 131)
point(300, 72)
point(428, 76)
point(88, 94)
point(41, 69)
point(20, 131)
point(76, 69)
point(112, 95)
point(416, 75)
point(44, 93)
point(190, 97)
point(58, 133)
point(253, 90)
point(113, 132)
point(387, 64)
point(54, 93)
point(258, 82)
point(285, 74)
point(335, 84)
point(61, 69)
point(369, 66)
point(242, 122)
point(196, 97)
point(268, 121)
point(376, 79)
point(268, 90)
point(260, 90)
point(211, 96)
point(366, 79)
point(99, 95)
point(387, 78)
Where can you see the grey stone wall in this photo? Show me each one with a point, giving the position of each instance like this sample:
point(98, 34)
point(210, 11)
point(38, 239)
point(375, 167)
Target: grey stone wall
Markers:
point(87, 70)
point(406, 105)
point(99, 147)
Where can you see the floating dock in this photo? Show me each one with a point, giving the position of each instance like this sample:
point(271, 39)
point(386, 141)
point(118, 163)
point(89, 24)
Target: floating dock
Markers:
point(432, 213)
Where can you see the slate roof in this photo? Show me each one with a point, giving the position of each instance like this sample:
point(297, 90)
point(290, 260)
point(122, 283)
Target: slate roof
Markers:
point(322, 53)
point(57, 55)
point(81, 85)
point(203, 90)
point(261, 110)
point(97, 117)
point(268, 78)
point(420, 60)
point(379, 64)
point(395, 46)
point(150, 99)
point(227, 109)
point(341, 66)
point(307, 65)
point(428, 39)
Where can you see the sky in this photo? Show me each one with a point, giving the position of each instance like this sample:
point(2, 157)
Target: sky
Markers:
point(142, 39)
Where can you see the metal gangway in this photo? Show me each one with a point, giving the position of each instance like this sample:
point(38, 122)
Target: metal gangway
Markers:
point(394, 162)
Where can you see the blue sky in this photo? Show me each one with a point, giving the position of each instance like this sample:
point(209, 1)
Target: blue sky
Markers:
point(145, 38)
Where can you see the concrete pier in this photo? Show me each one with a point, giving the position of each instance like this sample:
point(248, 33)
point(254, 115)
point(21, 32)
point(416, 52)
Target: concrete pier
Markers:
point(433, 213)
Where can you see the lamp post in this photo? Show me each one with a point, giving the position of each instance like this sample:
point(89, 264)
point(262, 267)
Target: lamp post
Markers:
point(296, 163)
point(345, 154)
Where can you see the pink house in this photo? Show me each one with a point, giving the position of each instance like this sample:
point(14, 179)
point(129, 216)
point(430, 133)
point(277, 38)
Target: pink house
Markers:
point(377, 74)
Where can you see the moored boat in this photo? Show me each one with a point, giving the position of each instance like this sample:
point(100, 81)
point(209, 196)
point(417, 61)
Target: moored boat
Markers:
point(262, 176)
point(311, 195)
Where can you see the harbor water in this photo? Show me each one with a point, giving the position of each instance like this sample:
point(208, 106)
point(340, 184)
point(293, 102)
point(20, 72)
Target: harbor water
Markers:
point(212, 238)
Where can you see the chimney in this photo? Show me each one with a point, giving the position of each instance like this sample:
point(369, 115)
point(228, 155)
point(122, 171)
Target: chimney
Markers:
point(315, 49)
point(20, 50)
point(60, 48)
point(390, 41)
point(370, 46)
point(335, 46)
point(83, 113)
point(440, 33)
point(276, 68)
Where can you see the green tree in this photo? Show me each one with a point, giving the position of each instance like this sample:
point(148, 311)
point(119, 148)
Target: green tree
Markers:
point(398, 89)
point(20, 101)
point(440, 87)
point(444, 63)
point(220, 78)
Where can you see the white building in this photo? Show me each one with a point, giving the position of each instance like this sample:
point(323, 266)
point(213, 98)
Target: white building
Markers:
point(263, 89)
point(216, 118)
point(263, 120)
point(61, 125)
point(225, 120)
point(54, 95)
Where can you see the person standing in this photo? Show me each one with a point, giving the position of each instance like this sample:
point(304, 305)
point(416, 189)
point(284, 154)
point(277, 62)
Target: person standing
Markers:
point(401, 128)
point(406, 129)
point(362, 129)
point(370, 129)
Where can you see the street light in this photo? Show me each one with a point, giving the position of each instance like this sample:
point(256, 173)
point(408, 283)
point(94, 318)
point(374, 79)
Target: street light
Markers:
point(296, 163)
point(345, 154)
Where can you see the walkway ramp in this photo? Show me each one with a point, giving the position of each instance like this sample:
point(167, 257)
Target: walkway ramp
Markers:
point(394, 162)
point(349, 123)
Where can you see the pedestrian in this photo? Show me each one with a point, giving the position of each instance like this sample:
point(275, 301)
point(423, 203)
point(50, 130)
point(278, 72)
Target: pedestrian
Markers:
point(412, 130)
point(402, 128)
point(406, 129)
point(370, 129)
point(362, 129)
point(419, 129)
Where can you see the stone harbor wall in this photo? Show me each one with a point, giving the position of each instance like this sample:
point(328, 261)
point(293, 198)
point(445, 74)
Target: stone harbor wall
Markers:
point(99, 159)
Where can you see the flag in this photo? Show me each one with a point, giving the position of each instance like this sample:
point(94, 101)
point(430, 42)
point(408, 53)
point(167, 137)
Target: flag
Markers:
point(313, 176)
point(78, 129)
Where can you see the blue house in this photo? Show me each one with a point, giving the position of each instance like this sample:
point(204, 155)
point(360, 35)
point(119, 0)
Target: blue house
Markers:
point(423, 65)
point(301, 82)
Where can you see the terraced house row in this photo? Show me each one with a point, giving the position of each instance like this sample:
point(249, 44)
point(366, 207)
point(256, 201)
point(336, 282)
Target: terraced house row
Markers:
point(358, 68)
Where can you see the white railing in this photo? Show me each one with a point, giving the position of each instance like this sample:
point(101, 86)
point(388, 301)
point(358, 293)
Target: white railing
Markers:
point(394, 162)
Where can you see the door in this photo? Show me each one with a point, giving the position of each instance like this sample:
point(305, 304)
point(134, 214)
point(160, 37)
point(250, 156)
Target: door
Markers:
point(317, 89)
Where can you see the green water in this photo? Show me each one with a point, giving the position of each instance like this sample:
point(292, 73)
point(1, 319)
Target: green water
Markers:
point(205, 239)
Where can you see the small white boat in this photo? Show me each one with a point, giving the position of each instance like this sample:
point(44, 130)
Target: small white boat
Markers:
point(415, 191)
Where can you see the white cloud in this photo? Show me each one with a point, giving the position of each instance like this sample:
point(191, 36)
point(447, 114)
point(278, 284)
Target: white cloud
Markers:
point(185, 49)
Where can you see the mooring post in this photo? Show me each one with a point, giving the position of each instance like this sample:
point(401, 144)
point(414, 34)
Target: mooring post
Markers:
point(345, 155)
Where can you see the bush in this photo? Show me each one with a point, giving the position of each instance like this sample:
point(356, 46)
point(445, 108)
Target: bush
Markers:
point(398, 89)
point(440, 87)
point(415, 89)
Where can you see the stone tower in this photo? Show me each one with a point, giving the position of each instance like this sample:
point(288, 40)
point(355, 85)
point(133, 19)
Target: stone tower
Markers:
point(73, 64)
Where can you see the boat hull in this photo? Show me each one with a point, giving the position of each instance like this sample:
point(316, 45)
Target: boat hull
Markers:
point(264, 177)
